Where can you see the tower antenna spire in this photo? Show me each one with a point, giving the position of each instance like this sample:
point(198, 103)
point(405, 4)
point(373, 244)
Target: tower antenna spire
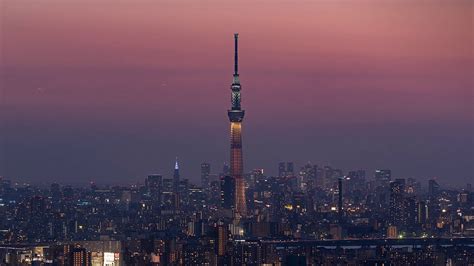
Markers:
point(236, 55)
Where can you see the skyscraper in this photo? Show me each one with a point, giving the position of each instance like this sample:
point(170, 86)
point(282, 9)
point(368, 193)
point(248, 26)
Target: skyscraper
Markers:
point(290, 169)
point(281, 169)
point(227, 192)
point(423, 214)
point(339, 203)
point(433, 188)
point(225, 169)
point(154, 184)
point(397, 211)
point(236, 115)
point(176, 176)
point(205, 172)
point(286, 169)
point(221, 238)
point(79, 257)
point(383, 175)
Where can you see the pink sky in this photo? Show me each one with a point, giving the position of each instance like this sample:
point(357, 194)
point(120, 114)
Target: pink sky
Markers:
point(152, 69)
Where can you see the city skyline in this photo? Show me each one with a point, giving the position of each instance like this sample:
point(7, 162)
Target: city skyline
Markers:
point(122, 136)
point(82, 101)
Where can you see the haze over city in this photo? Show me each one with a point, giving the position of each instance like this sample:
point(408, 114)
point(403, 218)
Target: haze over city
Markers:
point(114, 90)
point(268, 132)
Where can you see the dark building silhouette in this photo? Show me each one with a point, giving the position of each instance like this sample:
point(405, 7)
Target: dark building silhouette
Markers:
point(286, 169)
point(290, 169)
point(168, 185)
point(225, 169)
point(411, 213)
point(227, 192)
point(433, 188)
point(205, 172)
point(281, 169)
point(383, 176)
point(339, 204)
point(154, 185)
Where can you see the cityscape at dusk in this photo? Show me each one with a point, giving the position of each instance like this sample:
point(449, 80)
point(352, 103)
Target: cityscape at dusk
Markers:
point(236, 133)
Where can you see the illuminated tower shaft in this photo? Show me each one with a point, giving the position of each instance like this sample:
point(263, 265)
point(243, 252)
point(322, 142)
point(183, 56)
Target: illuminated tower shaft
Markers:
point(236, 115)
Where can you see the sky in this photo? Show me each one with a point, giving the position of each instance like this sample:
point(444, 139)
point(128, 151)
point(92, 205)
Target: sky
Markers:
point(110, 91)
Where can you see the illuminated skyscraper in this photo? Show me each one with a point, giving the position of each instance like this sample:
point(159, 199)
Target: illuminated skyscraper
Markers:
point(176, 176)
point(236, 115)
point(221, 238)
point(397, 211)
point(79, 257)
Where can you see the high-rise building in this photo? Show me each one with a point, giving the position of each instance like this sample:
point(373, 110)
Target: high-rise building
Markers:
point(397, 212)
point(55, 193)
point(361, 175)
point(236, 115)
point(79, 257)
point(221, 238)
point(176, 176)
point(355, 180)
point(205, 172)
point(423, 214)
point(329, 177)
point(154, 184)
point(392, 231)
point(286, 169)
point(383, 175)
point(433, 188)
point(281, 169)
point(339, 203)
point(225, 169)
point(168, 185)
point(254, 177)
point(227, 192)
point(290, 169)
point(309, 173)
point(411, 212)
